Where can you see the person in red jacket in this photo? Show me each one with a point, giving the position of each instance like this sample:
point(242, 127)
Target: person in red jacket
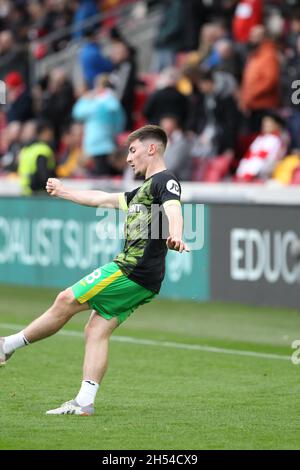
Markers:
point(248, 13)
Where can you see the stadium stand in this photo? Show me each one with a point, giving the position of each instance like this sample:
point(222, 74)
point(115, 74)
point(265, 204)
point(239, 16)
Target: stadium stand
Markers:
point(223, 92)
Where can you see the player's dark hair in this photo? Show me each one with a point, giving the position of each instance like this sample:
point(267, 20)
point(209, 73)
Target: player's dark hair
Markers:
point(149, 132)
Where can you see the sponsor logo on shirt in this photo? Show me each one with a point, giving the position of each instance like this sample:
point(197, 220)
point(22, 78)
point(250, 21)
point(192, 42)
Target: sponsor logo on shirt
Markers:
point(173, 187)
point(135, 208)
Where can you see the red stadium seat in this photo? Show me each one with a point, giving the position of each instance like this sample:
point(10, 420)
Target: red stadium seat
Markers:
point(198, 169)
point(296, 176)
point(218, 168)
point(211, 170)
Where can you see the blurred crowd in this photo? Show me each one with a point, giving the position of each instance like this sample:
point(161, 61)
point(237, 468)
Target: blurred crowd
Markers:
point(224, 83)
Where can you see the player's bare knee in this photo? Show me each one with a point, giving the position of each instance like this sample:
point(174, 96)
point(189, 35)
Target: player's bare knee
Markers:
point(96, 334)
point(65, 298)
point(91, 333)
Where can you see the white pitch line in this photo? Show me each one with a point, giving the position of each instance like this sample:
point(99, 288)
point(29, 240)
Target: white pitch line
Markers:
point(166, 344)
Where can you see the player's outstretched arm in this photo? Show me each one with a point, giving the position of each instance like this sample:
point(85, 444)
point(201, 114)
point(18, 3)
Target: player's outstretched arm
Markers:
point(174, 241)
point(91, 198)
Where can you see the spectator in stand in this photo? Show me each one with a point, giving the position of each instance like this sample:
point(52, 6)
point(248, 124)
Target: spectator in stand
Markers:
point(124, 75)
point(103, 118)
point(47, 16)
point(213, 117)
point(57, 101)
point(260, 81)
point(36, 161)
point(85, 9)
point(293, 35)
point(206, 55)
point(92, 61)
point(28, 133)
point(13, 57)
point(9, 162)
point(224, 9)
point(195, 15)
point(70, 159)
point(118, 162)
point(223, 60)
point(266, 150)
point(169, 37)
point(228, 60)
point(285, 170)
point(167, 99)
point(59, 15)
point(18, 20)
point(19, 102)
point(177, 154)
point(276, 25)
point(18, 136)
point(249, 13)
point(39, 22)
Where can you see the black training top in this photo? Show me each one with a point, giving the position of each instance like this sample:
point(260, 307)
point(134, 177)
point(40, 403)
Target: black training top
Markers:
point(147, 228)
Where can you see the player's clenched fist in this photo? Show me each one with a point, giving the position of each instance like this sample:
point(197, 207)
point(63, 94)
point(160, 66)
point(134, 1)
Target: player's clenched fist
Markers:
point(54, 186)
point(177, 244)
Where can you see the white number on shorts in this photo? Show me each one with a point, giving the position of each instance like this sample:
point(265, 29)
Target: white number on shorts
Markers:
point(93, 276)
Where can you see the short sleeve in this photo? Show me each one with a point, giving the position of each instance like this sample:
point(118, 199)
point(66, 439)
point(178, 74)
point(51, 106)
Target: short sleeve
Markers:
point(167, 189)
point(125, 199)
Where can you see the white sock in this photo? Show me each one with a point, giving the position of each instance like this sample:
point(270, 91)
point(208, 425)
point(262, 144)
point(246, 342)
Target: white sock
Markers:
point(87, 393)
point(13, 342)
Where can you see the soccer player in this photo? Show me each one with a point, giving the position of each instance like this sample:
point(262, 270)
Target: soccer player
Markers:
point(116, 289)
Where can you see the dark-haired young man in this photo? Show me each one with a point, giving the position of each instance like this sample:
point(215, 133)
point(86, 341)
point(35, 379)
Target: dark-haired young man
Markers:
point(154, 224)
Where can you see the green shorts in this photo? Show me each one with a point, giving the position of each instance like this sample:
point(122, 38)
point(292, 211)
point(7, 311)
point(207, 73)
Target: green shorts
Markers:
point(111, 293)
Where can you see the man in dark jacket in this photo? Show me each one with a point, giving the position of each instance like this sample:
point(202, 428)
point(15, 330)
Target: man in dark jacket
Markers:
point(124, 76)
point(13, 57)
point(167, 100)
point(213, 117)
point(19, 103)
point(57, 101)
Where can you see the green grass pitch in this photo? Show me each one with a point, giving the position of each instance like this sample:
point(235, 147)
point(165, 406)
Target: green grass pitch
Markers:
point(159, 392)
